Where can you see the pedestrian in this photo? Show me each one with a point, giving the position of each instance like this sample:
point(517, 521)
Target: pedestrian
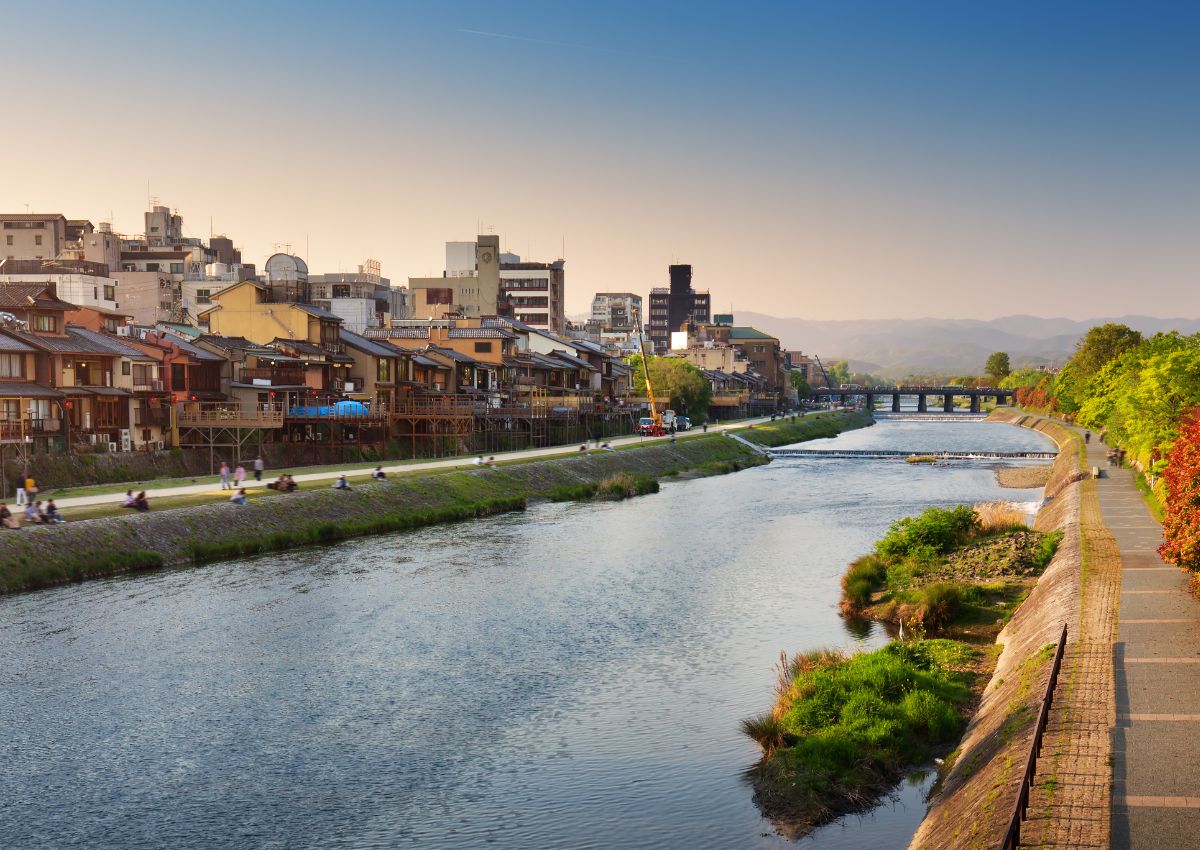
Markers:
point(1087, 436)
point(259, 466)
point(239, 498)
point(224, 473)
point(22, 498)
point(30, 487)
point(239, 475)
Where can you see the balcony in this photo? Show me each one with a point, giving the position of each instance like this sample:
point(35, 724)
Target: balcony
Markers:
point(278, 377)
point(220, 414)
point(435, 407)
point(149, 387)
point(15, 431)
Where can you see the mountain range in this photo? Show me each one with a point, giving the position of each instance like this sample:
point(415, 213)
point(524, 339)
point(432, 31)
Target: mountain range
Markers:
point(898, 347)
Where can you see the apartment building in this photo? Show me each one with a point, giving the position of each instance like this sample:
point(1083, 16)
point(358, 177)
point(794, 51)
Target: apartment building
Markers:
point(674, 306)
point(469, 286)
point(614, 311)
point(532, 293)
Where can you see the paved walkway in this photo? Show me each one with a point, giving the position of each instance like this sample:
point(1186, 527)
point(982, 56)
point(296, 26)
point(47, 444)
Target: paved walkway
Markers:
point(213, 485)
point(1156, 740)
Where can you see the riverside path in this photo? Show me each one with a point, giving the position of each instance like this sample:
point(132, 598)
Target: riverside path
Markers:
point(461, 461)
point(1156, 660)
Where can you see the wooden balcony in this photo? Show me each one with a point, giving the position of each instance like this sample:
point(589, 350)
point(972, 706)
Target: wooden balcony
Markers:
point(728, 399)
point(281, 377)
point(221, 414)
point(15, 431)
point(435, 407)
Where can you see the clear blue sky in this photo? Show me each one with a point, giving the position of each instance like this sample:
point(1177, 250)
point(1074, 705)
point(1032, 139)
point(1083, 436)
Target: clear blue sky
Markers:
point(867, 159)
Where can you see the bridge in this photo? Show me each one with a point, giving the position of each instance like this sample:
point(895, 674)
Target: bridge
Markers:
point(947, 395)
point(890, 453)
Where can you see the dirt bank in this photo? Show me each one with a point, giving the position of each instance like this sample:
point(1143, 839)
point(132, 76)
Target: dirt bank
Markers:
point(978, 790)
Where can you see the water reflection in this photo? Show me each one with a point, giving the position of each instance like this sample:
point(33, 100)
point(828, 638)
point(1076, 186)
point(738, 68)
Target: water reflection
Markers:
point(568, 677)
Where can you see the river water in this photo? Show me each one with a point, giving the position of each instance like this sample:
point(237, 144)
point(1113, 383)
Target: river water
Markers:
point(572, 676)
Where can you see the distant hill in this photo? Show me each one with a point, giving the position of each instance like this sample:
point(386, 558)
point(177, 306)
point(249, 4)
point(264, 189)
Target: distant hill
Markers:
point(903, 346)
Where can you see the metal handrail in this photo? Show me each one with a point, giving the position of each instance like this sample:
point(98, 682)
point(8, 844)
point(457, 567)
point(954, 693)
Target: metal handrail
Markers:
point(1012, 838)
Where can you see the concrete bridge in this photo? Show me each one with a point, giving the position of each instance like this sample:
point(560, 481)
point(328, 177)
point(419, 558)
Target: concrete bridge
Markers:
point(923, 394)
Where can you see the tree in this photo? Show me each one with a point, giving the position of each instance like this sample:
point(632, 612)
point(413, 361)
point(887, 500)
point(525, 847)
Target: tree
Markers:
point(997, 367)
point(677, 384)
point(839, 373)
point(1100, 345)
point(799, 384)
point(1181, 508)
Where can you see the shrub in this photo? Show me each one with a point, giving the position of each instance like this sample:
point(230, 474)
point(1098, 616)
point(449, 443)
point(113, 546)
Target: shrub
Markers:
point(1181, 508)
point(861, 579)
point(939, 529)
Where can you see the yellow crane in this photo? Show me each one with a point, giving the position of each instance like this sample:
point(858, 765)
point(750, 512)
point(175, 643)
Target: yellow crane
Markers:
point(654, 414)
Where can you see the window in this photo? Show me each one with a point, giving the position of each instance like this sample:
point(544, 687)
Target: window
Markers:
point(37, 240)
point(151, 267)
point(384, 371)
point(483, 348)
point(176, 268)
point(110, 293)
point(12, 365)
point(154, 230)
point(341, 290)
point(46, 324)
point(125, 368)
point(203, 296)
point(8, 239)
point(143, 374)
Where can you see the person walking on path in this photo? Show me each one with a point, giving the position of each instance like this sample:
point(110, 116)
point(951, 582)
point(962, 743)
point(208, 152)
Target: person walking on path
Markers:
point(239, 475)
point(22, 498)
point(224, 473)
point(259, 466)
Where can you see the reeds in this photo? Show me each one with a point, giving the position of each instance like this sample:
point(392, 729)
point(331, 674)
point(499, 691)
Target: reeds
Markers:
point(1000, 516)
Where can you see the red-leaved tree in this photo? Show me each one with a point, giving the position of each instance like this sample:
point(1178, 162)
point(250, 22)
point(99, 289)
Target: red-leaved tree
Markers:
point(1181, 523)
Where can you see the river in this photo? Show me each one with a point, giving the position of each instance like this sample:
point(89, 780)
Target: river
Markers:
point(571, 676)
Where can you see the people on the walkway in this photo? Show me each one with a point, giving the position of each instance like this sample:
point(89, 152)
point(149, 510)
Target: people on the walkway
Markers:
point(22, 498)
point(1087, 436)
point(341, 483)
point(224, 473)
point(259, 466)
point(379, 474)
point(128, 501)
point(239, 498)
point(239, 475)
point(141, 503)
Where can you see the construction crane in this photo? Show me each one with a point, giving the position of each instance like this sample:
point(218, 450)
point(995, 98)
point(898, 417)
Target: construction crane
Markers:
point(657, 428)
point(828, 382)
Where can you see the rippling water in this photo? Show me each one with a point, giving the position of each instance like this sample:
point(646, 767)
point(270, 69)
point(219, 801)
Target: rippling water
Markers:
point(568, 677)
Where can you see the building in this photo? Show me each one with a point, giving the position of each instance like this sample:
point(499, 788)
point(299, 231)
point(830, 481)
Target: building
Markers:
point(469, 287)
point(364, 299)
point(78, 282)
point(614, 311)
point(762, 350)
point(675, 306)
point(39, 236)
point(532, 293)
point(286, 275)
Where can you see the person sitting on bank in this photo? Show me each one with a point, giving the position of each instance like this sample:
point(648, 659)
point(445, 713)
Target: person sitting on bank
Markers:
point(129, 500)
point(341, 483)
point(52, 515)
point(7, 520)
point(279, 483)
point(141, 503)
point(33, 512)
point(379, 474)
point(289, 484)
point(239, 498)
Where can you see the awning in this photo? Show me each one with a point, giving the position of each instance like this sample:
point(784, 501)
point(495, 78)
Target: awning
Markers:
point(23, 390)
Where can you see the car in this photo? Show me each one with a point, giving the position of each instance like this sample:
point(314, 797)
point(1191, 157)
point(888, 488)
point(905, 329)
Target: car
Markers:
point(682, 423)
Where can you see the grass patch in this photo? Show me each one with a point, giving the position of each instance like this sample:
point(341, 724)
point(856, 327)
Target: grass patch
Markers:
point(28, 572)
point(784, 432)
point(846, 727)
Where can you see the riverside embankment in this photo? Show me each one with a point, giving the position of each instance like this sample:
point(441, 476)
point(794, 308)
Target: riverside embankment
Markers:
point(42, 556)
point(979, 786)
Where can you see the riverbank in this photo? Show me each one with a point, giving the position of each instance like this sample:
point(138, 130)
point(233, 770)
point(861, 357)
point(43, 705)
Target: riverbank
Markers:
point(784, 431)
point(979, 784)
point(41, 556)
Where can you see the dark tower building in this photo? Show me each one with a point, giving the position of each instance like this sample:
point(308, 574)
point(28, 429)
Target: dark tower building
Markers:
point(671, 309)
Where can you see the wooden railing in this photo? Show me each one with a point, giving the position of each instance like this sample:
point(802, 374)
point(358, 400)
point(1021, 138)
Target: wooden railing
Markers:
point(13, 431)
point(282, 376)
point(436, 406)
point(228, 414)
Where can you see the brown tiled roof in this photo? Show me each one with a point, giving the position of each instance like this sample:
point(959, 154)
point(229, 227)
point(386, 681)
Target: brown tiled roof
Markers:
point(25, 295)
point(31, 216)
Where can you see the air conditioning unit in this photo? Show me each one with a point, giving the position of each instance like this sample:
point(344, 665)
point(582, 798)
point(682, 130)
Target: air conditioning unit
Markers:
point(126, 441)
point(92, 438)
point(112, 448)
point(108, 379)
point(123, 330)
point(160, 445)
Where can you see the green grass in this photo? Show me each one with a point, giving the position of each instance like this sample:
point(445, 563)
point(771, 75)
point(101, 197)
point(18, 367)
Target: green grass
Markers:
point(1148, 496)
point(846, 728)
point(783, 432)
point(28, 571)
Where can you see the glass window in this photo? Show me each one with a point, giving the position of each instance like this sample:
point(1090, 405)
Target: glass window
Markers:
point(46, 324)
point(176, 268)
point(12, 365)
point(110, 293)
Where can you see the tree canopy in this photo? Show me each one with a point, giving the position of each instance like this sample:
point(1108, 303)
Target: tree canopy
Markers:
point(997, 367)
point(678, 384)
point(799, 384)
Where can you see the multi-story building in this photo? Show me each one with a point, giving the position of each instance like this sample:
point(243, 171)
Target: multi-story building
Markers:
point(469, 286)
point(39, 236)
point(532, 293)
point(364, 299)
point(613, 311)
point(78, 282)
point(671, 308)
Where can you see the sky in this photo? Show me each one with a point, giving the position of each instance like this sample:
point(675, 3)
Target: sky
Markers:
point(841, 159)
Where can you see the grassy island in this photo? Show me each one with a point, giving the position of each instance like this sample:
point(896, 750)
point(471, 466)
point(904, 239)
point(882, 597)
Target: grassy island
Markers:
point(844, 728)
